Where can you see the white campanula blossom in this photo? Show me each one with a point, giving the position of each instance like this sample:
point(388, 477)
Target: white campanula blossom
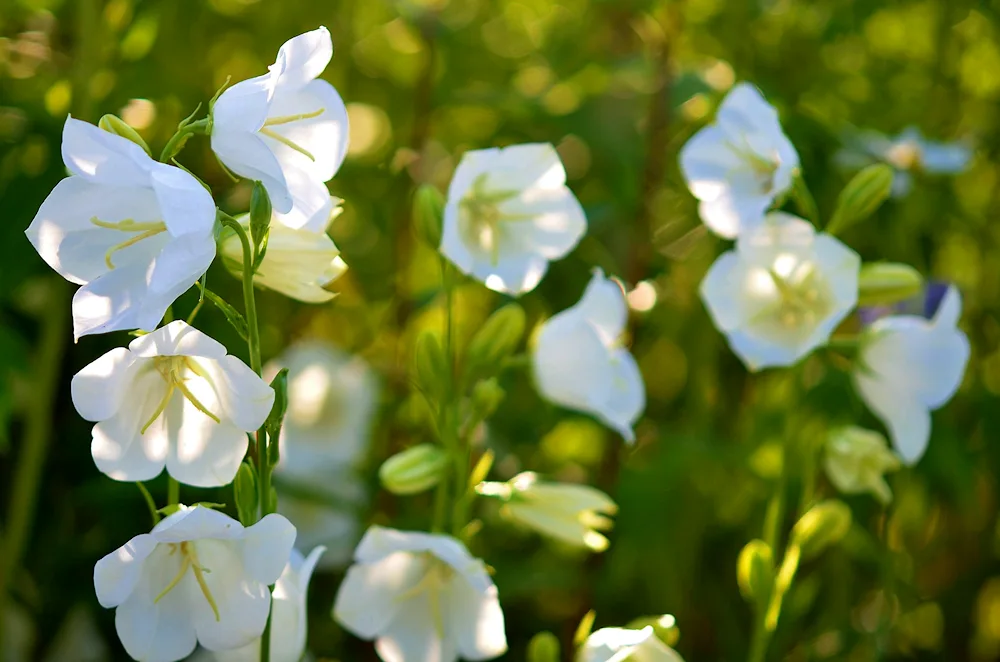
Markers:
point(172, 398)
point(907, 153)
point(199, 577)
point(782, 291)
point(579, 361)
point(134, 233)
point(422, 597)
point(298, 263)
point(332, 400)
point(909, 366)
point(737, 166)
point(287, 129)
point(509, 213)
point(573, 514)
point(289, 626)
point(620, 644)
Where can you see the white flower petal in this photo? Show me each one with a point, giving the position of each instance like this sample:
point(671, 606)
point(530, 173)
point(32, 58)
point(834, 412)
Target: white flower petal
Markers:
point(311, 203)
point(99, 389)
point(267, 547)
point(247, 155)
point(242, 107)
point(571, 364)
point(186, 206)
point(160, 632)
point(117, 574)
point(533, 165)
point(102, 157)
point(729, 215)
point(202, 452)
point(557, 225)
point(196, 522)
point(368, 598)
point(325, 136)
point(243, 605)
point(627, 398)
point(413, 635)
point(177, 338)
point(603, 305)
point(304, 57)
point(724, 301)
point(119, 447)
point(514, 275)
point(245, 398)
point(176, 269)
point(112, 302)
point(909, 421)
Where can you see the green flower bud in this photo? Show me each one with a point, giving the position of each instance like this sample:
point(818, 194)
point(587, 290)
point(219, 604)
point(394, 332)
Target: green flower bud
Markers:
point(274, 419)
point(245, 494)
point(486, 397)
point(886, 283)
point(495, 341)
point(116, 125)
point(823, 525)
point(414, 470)
point(861, 197)
point(431, 365)
point(544, 647)
point(428, 214)
point(755, 571)
point(260, 221)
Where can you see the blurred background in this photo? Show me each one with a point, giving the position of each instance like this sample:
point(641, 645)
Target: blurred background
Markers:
point(617, 86)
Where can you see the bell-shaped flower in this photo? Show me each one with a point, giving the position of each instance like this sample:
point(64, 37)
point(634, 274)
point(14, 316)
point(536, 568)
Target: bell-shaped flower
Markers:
point(173, 398)
point(579, 362)
point(909, 366)
point(288, 130)
point(288, 617)
point(781, 292)
point(571, 513)
point(421, 596)
point(298, 263)
point(739, 165)
point(509, 213)
point(133, 232)
point(856, 461)
point(198, 577)
point(621, 644)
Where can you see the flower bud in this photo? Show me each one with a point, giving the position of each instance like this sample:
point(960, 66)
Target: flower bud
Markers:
point(260, 221)
point(116, 125)
point(274, 419)
point(428, 214)
point(486, 397)
point(414, 470)
point(856, 461)
point(543, 647)
point(431, 365)
point(755, 571)
point(823, 525)
point(886, 283)
point(495, 341)
point(245, 494)
point(861, 197)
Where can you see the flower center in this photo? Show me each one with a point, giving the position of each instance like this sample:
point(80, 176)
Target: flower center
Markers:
point(145, 230)
point(803, 299)
point(763, 168)
point(434, 581)
point(288, 119)
point(174, 370)
point(480, 219)
point(189, 560)
point(904, 155)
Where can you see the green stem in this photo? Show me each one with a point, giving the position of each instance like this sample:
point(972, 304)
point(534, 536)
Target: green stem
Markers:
point(772, 533)
point(445, 422)
point(35, 443)
point(149, 503)
point(253, 343)
point(176, 142)
point(173, 491)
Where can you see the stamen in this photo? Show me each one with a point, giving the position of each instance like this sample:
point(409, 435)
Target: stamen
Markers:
point(128, 225)
point(185, 564)
point(285, 141)
point(199, 575)
point(159, 408)
point(129, 242)
point(193, 400)
point(286, 119)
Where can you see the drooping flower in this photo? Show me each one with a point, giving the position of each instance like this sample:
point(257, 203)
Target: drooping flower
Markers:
point(332, 398)
point(288, 130)
point(133, 232)
point(573, 514)
point(856, 460)
point(198, 577)
point(298, 263)
point(289, 617)
point(620, 644)
point(421, 596)
point(907, 153)
point(909, 366)
point(509, 213)
point(579, 362)
point(782, 291)
point(173, 398)
point(739, 165)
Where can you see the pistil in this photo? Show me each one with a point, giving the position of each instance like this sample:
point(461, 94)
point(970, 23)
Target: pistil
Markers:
point(145, 230)
point(190, 560)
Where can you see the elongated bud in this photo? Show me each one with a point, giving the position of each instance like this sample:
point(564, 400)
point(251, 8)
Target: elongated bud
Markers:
point(544, 647)
point(495, 341)
point(245, 494)
point(861, 197)
point(414, 470)
point(755, 571)
point(823, 525)
point(272, 425)
point(260, 221)
point(486, 397)
point(431, 365)
point(116, 125)
point(428, 214)
point(664, 627)
point(886, 283)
